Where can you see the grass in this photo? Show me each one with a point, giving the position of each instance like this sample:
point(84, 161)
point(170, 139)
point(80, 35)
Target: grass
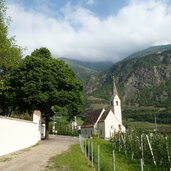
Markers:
point(5, 159)
point(71, 160)
point(122, 163)
point(74, 159)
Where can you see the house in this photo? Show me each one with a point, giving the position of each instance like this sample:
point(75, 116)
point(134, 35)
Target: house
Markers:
point(105, 123)
point(41, 123)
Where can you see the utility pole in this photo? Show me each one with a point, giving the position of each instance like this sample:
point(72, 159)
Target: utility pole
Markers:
point(155, 121)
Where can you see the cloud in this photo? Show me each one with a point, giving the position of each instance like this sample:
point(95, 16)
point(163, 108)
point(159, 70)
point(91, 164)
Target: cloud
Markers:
point(91, 2)
point(78, 33)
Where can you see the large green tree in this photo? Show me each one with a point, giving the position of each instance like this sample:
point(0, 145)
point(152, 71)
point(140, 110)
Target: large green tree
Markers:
point(10, 56)
point(41, 82)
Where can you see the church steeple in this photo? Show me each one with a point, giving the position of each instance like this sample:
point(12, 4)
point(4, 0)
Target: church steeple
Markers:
point(115, 103)
point(115, 92)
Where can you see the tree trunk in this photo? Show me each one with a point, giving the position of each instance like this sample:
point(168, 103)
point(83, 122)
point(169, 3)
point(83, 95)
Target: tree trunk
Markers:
point(47, 127)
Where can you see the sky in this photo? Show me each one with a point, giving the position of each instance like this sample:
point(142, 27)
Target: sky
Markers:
point(90, 30)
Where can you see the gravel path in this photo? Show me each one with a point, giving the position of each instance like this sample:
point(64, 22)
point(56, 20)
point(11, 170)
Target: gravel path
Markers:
point(36, 158)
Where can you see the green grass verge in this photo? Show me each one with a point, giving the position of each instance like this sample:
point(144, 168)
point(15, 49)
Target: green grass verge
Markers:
point(71, 160)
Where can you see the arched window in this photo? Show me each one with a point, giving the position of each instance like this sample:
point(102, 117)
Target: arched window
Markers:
point(117, 103)
point(119, 127)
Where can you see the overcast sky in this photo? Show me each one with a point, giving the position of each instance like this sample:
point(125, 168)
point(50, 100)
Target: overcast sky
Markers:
point(90, 30)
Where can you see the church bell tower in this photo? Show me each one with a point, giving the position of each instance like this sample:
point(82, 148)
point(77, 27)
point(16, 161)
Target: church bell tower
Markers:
point(115, 103)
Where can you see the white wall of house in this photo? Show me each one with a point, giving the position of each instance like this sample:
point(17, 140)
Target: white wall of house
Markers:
point(16, 134)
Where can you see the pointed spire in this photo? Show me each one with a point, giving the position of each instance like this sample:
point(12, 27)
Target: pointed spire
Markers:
point(115, 92)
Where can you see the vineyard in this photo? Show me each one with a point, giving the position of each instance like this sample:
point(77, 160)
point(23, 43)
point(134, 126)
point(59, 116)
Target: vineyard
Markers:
point(134, 150)
point(150, 148)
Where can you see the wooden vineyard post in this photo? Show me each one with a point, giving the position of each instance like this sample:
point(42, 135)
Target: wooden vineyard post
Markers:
point(98, 158)
point(85, 148)
point(92, 157)
point(151, 150)
point(114, 162)
point(142, 163)
point(88, 149)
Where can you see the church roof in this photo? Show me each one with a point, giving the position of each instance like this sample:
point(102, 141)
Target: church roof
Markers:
point(91, 118)
point(104, 115)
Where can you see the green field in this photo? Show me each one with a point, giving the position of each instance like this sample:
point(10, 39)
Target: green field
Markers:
point(146, 125)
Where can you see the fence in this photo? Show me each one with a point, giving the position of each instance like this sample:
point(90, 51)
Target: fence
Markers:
point(94, 156)
point(137, 163)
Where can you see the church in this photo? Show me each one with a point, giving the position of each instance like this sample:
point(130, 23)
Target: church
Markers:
point(105, 123)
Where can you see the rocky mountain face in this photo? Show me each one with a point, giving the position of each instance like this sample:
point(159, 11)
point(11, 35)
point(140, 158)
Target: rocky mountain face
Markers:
point(144, 81)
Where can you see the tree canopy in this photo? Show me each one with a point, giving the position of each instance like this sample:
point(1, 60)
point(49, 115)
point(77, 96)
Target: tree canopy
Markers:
point(41, 82)
point(10, 56)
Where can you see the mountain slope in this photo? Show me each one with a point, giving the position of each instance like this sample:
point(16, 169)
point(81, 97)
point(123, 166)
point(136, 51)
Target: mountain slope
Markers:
point(150, 50)
point(143, 83)
point(81, 71)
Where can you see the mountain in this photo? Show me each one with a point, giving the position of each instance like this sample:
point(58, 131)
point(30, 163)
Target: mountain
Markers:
point(144, 84)
point(97, 66)
point(84, 70)
point(150, 50)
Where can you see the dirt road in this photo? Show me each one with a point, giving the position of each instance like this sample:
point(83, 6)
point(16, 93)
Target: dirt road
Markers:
point(36, 158)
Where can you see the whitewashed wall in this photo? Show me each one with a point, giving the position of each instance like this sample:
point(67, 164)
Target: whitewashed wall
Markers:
point(16, 134)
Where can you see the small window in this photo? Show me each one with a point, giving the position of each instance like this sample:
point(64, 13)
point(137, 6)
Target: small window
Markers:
point(119, 127)
point(117, 103)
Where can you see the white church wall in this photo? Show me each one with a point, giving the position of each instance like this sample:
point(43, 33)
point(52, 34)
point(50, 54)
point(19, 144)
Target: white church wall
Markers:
point(109, 125)
point(117, 108)
point(16, 134)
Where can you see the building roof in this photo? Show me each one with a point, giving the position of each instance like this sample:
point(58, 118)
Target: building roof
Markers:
point(37, 112)
point(104, 115)
point(91, 118)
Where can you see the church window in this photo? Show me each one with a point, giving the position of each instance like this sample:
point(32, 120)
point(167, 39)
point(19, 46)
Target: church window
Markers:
point(117, 103)
point(119, 127)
